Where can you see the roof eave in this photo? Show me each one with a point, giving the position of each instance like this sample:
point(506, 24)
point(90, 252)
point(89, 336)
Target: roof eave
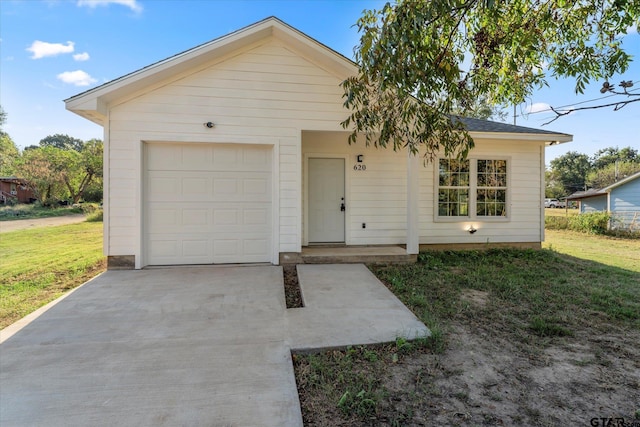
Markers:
point(549, 139)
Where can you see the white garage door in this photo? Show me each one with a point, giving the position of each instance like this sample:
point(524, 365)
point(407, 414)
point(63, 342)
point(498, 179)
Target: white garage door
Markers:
point(207, 203)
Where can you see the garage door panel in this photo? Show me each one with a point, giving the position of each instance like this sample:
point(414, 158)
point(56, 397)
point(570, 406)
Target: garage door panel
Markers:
point(212, 204)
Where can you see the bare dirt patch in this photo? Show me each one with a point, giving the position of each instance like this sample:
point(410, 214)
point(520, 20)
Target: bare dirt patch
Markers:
point(292, 293)
point(485, 379)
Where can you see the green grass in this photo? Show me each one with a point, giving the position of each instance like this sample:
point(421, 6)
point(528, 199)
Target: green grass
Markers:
point(603, 250)
point(38, 265)
point(584, 283)
point(560, 212)
point(23, 211)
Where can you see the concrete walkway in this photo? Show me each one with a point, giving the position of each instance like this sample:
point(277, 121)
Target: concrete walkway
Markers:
point(187, 346)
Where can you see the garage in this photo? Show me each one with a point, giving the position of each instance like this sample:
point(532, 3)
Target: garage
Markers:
point(207, 203)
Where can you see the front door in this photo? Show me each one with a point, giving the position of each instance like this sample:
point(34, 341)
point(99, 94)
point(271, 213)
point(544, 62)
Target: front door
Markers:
point(326, 200)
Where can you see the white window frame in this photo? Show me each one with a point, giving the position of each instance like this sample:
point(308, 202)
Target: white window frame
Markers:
point(473, 191)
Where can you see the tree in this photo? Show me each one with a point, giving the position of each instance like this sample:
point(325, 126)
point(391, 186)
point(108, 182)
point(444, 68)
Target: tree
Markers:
point(3, 117)
point(58, 174)
point(411, 57)
point(43, 169)
point(481, 108)
point(570, 171)
point(8, 150)
point(611, 173)
point(64, 142)
point(554, 188)
point(9, 153)
point(84, 168)
point(610, 155)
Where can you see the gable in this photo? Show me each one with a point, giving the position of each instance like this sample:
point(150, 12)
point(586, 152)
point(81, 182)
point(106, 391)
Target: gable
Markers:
point(94, 103)
point(265, 90)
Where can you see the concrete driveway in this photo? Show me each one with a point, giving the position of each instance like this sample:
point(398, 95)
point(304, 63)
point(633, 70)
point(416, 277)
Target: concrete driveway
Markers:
point(187, 346)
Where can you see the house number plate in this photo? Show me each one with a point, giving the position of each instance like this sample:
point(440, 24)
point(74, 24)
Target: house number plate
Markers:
point(359, 167)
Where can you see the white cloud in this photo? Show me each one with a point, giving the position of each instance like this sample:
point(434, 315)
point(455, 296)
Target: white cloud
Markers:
point(131, 4)
point(84, 56)
point(537, 107)
point(77, 78)
point(41, 49)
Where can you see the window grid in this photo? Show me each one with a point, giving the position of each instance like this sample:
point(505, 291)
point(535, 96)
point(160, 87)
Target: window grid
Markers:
point(453, 191)
point(472, 188)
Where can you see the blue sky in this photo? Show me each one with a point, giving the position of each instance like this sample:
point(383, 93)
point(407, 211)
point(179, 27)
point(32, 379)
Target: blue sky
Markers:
point(52, 50)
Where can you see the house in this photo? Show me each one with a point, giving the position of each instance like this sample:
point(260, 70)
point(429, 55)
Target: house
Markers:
point(621, 198)
point(14, 189)
point(232, 152)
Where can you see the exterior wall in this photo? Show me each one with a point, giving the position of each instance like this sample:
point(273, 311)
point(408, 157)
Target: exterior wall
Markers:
point(524, 221)
point(265, 94)
point(593, 204)
point(625, 203)
point(22, 193)
point(376, 196)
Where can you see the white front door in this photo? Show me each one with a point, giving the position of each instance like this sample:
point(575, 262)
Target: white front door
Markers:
point(326, 200)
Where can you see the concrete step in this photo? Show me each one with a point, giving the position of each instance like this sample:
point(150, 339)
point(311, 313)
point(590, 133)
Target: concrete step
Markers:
point(356, 254)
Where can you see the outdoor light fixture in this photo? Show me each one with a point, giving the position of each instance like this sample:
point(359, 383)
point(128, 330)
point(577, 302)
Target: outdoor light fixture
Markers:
point(209, 125)
point(471, 229)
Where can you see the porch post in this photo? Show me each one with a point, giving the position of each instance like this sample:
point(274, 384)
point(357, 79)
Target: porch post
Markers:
point(413, 224)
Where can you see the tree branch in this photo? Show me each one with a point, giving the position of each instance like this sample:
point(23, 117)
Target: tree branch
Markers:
point(616, 106)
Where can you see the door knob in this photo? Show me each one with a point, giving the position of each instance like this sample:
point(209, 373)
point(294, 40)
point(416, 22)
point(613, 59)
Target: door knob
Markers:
point(342, 208)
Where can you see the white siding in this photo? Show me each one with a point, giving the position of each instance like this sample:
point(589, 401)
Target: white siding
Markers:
point(376, 196)
point(524, 219)
point(263, 95)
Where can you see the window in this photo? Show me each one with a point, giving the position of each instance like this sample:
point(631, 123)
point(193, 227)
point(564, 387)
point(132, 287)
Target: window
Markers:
point(472, 188)
point(453, 191)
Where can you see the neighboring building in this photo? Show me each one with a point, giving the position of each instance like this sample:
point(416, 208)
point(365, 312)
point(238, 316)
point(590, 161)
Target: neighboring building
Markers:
point(16, 190)
point(232, 152)
point(621, 198)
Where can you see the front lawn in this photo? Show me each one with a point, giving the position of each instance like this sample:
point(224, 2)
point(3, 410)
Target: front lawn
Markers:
point(38, 265)
point(521, 337)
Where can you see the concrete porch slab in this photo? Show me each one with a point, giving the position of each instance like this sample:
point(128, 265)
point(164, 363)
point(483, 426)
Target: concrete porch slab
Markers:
point(356, 255)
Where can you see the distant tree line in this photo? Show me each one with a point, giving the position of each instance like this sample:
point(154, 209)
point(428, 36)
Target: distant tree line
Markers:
point(574, 171)
point(59, 169)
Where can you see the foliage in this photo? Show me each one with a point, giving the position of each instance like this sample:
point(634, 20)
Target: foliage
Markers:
point(44, 170)
point(63, 142)
point(36, 210)
point(570, 171)
point(573, 171)
point(38, 265)
point(3, 117)
point(554, 188)
point(8, 150)
point(411, 55)
point(611, 173)
point(610, 155)
point(56, 173)
point(480, 108)
point(591, 222)
point(8, 154)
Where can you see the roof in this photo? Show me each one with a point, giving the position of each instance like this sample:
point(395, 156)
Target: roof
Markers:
point(93, 103)
point(476, 126)
point(594, 192)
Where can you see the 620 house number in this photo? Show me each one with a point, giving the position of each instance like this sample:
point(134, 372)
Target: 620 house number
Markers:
point(359, 167)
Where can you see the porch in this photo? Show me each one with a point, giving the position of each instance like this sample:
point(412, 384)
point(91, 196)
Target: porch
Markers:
point(341, 254)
